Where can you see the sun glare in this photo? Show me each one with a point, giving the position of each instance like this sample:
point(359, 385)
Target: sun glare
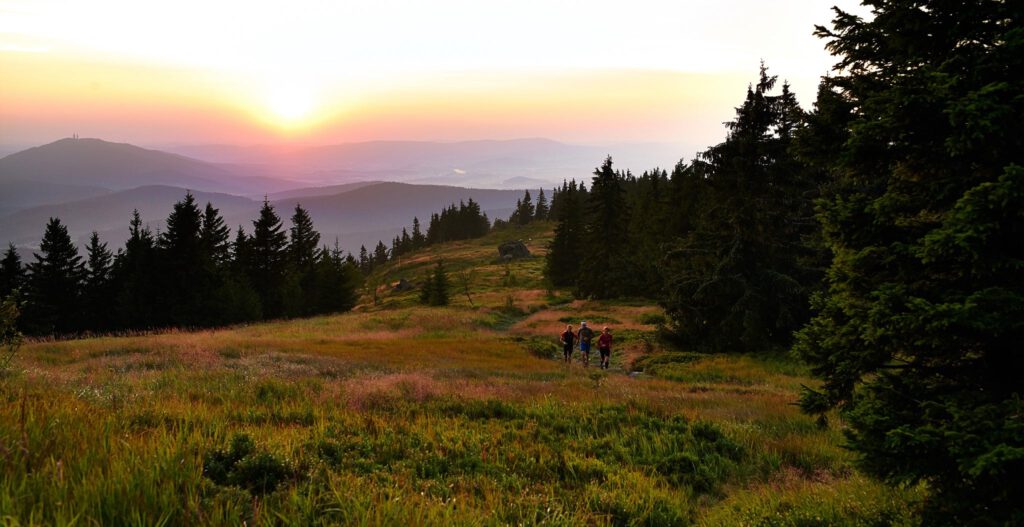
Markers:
point(290, 104)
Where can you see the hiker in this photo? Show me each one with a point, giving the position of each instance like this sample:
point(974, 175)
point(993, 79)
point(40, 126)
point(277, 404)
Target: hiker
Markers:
point(585, 335)
point(568, 339)
point(604, 345)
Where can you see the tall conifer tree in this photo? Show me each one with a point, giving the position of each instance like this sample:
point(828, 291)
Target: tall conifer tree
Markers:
point(604, 268)
point(268, 253)
point(12, 273)
point(54, 296)
point(918, 336)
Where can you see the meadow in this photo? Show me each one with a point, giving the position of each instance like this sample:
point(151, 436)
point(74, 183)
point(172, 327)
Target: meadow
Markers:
point(400, 414)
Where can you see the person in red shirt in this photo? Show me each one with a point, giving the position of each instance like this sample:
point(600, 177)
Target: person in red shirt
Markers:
point(604, 345)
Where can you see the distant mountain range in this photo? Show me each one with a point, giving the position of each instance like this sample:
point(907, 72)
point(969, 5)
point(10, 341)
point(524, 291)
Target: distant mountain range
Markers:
point(359, 214)
point(356, 192)
point(517, 163)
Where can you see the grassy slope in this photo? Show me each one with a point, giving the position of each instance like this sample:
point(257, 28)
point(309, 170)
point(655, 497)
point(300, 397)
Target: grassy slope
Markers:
point(402, 414)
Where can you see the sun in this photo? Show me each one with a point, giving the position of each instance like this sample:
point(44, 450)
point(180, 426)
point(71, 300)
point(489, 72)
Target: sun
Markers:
point(290, 104)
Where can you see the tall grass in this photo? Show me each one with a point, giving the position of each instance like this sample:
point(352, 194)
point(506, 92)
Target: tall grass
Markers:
point(406, 415)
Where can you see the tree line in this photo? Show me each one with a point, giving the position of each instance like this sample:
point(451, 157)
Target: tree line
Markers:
point(453, 223)
point(879, 236)
point(193, 274)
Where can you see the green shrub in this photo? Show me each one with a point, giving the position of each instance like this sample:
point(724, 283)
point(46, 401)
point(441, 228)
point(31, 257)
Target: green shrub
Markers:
point(242, 465)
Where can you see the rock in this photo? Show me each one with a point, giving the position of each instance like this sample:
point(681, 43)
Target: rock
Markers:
point(403, 285)
point(513, 250)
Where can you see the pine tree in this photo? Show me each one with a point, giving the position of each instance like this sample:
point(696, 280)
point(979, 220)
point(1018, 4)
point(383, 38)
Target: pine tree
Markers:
point(405, 243)
point(12, 273)
point(55, 279)
point(134, 276)
point(184, 272)
point(561, 265)
point(918, 335)
point(380, 254)
point(98, 293)
point(418, 240)
point(336, 282)
point(736, 280)
point(541, 212)
point(235, 299)
point(436, 287)
point(215, 238)
point(604, 269)
point(365, 263)
point(304, 240)
point(268, 252)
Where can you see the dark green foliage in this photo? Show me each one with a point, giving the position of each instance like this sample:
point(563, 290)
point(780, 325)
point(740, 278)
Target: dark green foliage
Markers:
point(436, 289)
point(133, 272)
point(605, 269)
point(268, 252)
point(524, 211)
point(418, 240)
point(215, 238)
point(12, 273)
point(191, 276)
point(918, 334)
point(561, 265)
point(54, 287)
point(242, 464)
point(98, 288)
point(184, 278)
point(380, 255)
point(736, 279)
point(333, 283)
point(464, 222)
point(365, 263)
point(303, 242)
point(541, 211)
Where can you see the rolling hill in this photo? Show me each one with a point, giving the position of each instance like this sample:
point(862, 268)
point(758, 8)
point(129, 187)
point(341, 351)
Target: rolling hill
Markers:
point(109, 214)
point(90, 166)
point(356, 214)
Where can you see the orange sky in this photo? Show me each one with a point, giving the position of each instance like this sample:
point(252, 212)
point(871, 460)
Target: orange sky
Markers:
point(324, 72)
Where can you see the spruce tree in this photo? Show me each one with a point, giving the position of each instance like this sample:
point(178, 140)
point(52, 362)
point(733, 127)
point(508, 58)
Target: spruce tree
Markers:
point(561, 264)
point(304, 240)
point(406, 242)
point(336, 282)
point(418, 240)
point(918, 335)
point(184, 275)
point(268, 248)
point(380, 254)
point(215, 237)
point(365, 263)
point(135, 277)
point(436, 288)
point(12, 273)
point(604, 268)
point(735, 281)
point(54, 288)
point(541, 212)
point(98, 293)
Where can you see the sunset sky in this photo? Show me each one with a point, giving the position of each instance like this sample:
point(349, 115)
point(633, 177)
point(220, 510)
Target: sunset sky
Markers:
point(317, 72)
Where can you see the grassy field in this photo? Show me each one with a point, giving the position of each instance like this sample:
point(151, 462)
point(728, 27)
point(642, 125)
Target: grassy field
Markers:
point(397, 414)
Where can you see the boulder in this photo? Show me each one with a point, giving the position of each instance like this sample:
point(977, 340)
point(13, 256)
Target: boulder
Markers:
point(514, 249)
